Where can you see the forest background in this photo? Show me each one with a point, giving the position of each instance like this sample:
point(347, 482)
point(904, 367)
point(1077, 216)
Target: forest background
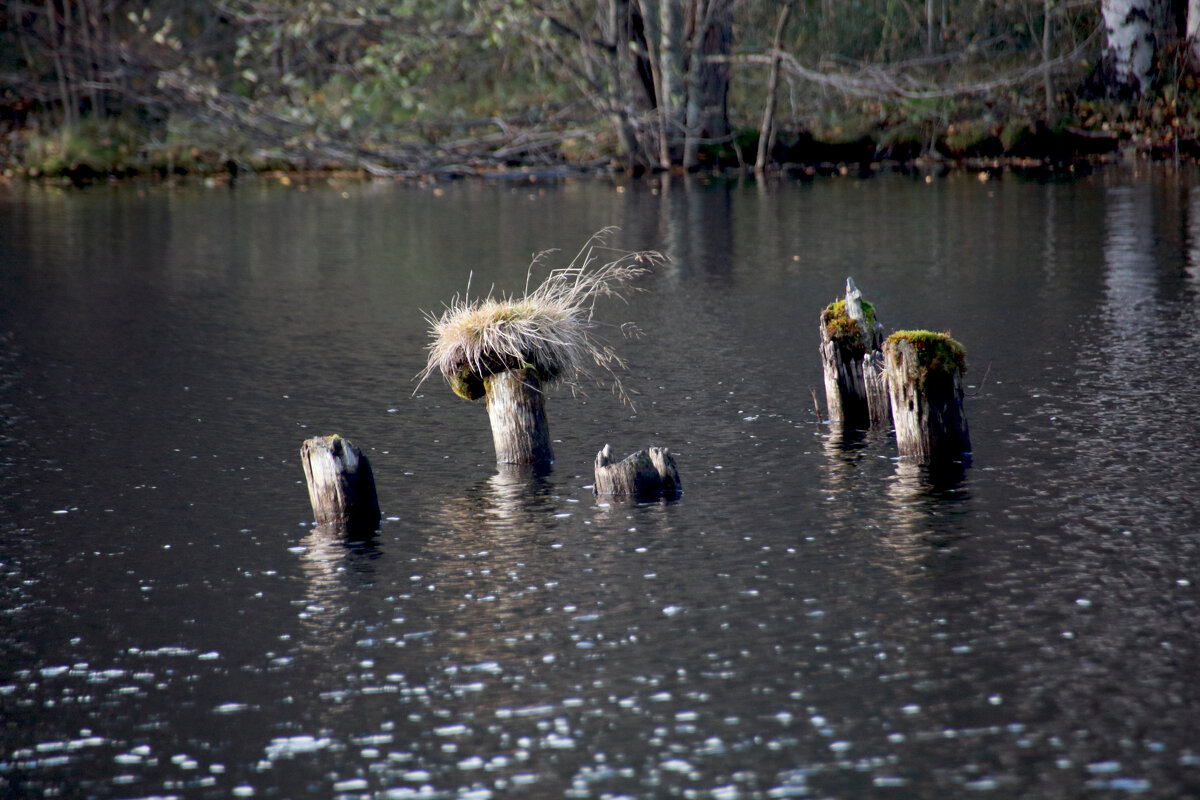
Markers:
point(104, 88)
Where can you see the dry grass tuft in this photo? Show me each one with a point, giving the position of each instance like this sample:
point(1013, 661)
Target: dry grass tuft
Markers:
point(549, 329)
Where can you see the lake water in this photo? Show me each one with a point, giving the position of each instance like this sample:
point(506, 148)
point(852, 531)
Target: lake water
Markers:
point(813, 618)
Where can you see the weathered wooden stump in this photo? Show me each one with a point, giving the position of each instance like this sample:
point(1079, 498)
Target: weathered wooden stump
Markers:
point(879, 404)
point(924, 377)
point(341, 485)
point(855, 392)
point(516, 407)
point(645, 474)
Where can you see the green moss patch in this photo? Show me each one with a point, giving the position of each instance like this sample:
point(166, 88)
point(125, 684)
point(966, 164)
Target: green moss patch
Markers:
point(936, 352)
point(466, 384)
point(840, 327)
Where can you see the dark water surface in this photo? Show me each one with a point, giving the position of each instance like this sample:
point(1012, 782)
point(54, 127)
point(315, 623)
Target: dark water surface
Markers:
point(812, 619)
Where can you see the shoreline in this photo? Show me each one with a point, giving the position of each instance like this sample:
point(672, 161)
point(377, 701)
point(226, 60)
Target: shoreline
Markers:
point(1043, 154)
point(923, 167)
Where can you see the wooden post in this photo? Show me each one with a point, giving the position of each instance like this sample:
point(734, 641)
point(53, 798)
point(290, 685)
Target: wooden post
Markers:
point(645, 474)
point(850, 339)
point(517, 410)
point(924, 376)
point(341, 485)
point(879, 405)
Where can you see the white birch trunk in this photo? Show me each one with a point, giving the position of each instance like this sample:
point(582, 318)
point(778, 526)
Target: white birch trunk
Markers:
point(1130, 27)
point(1193, 31)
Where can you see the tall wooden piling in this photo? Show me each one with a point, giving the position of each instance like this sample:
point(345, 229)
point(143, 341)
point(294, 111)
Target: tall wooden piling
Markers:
point(517, 411)
point(341, 485)
point(855, 392)
point(924, 377)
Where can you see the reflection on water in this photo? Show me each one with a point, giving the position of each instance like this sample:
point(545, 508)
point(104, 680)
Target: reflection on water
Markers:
point(334, 564)
point(924, 499)
point(1192, 259)
point(815, 618)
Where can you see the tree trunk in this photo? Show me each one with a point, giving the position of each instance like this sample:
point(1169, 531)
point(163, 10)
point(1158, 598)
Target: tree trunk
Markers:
point(707, 82)
point(71, 56)
point(1047, 76)
point(341, 486)
point(1193, 32)
point(516, 408)
point(693, 119)
point(645, 474)
point(929, 27)
point(927, 406)
point(1132, 29)
point(767, 131)
point(621, 78)
point(61, 72)
point(714, 83)
point(672, 96)
point(88, 22)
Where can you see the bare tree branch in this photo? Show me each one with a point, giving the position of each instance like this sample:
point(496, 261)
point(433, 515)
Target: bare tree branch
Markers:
point(879, 82)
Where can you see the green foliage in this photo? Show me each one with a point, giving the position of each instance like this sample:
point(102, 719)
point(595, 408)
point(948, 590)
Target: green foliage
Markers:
point(247, 76)
point(967, 137)
point(1016, 131)
point(738, 149)
point(385, 66)
point(112, 146)
point(839, 126)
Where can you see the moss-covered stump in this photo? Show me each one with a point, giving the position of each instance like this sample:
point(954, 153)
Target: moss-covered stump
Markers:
point(855, 394)
point(341, 485)
point(924, 377)
point(517, 411)
point(646, 474)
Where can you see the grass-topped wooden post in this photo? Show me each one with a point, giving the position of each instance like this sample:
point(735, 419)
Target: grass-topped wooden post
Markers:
point(341, 485)
point(508, 349)
point(855, 393)
point(924, 377)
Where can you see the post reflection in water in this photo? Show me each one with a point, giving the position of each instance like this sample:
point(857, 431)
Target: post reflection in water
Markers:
point(514, 497)
point(493, 556)
point(1192, 256)
point(846, 449)
point(334, 564)
point(336, 570)
point(922, 499)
